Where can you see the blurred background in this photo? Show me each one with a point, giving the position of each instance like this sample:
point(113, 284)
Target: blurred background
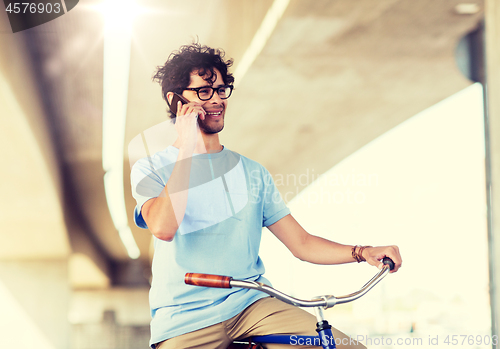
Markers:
point(369, 114)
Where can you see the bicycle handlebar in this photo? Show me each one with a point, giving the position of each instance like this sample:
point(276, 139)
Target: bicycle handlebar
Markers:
point(326, 302)
point(389, 262)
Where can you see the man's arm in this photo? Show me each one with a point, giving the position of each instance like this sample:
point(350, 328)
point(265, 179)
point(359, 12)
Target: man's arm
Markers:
point(314, 249)
point(164, 214)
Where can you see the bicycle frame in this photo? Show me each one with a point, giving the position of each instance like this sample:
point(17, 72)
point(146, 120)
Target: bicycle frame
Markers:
point(325, 336)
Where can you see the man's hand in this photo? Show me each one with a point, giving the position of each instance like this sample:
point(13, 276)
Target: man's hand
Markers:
point(374, 255)
point(186, 124)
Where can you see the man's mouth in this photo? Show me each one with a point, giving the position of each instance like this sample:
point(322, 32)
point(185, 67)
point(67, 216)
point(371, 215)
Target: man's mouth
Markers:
point(214, 113)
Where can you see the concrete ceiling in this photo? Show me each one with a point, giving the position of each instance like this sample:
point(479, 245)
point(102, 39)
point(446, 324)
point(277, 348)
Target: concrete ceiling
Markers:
point(333, 76)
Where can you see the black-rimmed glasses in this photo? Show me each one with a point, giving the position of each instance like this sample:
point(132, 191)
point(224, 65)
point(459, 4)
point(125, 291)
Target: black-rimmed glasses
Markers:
point(205, 93)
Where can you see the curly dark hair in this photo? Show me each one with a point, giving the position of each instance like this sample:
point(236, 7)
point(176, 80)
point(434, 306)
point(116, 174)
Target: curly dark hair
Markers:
point(175, 74)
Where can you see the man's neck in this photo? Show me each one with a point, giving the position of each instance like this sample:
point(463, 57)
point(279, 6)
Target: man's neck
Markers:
point(205, 144)
point(210, 144)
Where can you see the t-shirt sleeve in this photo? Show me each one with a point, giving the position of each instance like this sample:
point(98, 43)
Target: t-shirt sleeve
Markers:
point(146, 184)
point(274, 206)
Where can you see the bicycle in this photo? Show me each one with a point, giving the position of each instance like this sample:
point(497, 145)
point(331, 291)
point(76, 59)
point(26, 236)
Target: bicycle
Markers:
point(325, 337)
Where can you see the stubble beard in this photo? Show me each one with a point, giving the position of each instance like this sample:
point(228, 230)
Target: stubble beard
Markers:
point(211, 129)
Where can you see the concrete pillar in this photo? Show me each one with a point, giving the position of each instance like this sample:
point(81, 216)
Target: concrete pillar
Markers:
point(34, 302)
point(492, 39)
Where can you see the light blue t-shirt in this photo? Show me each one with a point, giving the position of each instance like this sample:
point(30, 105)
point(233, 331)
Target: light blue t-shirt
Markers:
point(230, 199)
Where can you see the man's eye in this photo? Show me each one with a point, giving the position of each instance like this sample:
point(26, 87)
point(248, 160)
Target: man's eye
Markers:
point(205, 91)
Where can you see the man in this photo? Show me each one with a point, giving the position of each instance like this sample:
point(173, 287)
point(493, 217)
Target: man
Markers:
point(206, 207)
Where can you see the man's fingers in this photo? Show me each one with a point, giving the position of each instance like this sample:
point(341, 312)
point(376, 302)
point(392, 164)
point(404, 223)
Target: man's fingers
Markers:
point(192, 108)
point(202, 113)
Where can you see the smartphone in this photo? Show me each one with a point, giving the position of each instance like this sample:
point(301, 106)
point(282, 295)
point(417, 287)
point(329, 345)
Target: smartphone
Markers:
point(173, 106)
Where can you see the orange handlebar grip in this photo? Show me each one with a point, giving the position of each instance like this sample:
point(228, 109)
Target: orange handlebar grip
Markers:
point(208, 280)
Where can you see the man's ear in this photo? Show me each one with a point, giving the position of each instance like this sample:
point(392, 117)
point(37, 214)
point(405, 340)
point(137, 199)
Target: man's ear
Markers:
point(170, 95)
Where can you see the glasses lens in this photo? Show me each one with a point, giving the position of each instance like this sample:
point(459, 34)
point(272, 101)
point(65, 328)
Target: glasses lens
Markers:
point(224, 92)
point(205, 93)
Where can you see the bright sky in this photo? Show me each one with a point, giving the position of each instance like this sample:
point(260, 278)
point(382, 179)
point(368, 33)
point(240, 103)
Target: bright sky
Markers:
point(420, 186)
